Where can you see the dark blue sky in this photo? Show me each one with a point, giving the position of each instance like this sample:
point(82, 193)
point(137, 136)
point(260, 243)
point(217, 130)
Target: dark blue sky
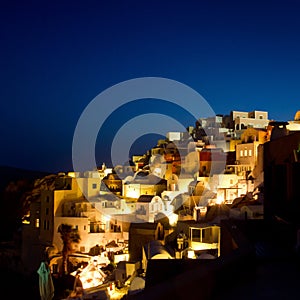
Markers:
point(56, 56)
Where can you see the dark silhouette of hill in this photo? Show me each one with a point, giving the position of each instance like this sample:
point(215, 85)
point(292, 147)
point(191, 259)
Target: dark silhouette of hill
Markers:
point(14, 182)
point(8, 174)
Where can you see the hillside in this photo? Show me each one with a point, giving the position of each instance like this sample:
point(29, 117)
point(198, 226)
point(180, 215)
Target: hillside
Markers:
point(8, 174)
point(14, 182)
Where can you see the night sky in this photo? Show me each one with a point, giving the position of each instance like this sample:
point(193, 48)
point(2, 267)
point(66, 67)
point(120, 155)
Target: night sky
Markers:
point(57, 56)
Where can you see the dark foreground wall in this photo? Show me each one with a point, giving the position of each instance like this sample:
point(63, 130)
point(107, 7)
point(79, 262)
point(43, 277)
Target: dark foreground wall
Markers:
point(203, 280)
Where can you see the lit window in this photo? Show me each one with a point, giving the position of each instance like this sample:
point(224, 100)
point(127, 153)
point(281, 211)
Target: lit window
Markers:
point(245, 152)
point(250, 152)
point(241, 152)
point(37, 223)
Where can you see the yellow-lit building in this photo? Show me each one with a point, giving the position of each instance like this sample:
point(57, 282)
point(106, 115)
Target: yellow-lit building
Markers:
point(67, 204)
point(147, 184)
point(256, 119)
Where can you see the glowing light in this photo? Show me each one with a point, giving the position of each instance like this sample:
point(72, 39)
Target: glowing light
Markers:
point(219, 200)
point(173, 218)
point(190, 253)
point(130, 193)
point(91, 275)
point(107, 218)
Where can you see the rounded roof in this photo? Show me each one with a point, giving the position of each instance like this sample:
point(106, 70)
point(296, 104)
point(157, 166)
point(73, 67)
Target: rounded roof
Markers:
point(156, 248)
point(297, 116)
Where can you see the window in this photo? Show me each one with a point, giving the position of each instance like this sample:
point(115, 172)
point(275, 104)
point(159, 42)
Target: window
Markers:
point(241, 152)
point(94, 185)
point(196, 234)
point(37, 223)
point(245, 152)
point(47, 210)
point(250, 152)
point(47, 199)
point(84, 227)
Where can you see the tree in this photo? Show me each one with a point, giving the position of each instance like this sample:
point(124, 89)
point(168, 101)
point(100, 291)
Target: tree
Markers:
point(69, 235)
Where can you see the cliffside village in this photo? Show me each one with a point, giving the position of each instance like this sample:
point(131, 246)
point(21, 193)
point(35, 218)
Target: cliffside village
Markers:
point(167, 204)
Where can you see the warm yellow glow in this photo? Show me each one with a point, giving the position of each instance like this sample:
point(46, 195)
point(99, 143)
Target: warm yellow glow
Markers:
point(219, 199)
point(91, 275)
point(121, 257)
point(132, 194)
point(173, 218)
point(190, 254)
point(107, 218)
